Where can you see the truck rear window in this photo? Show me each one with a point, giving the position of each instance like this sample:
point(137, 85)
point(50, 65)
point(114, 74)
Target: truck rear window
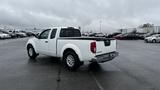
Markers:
point(70, 32)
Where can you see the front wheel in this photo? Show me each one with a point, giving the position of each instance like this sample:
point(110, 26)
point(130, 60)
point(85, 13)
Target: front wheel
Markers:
point(31, 52)
point(154, 41)
point(71, 60)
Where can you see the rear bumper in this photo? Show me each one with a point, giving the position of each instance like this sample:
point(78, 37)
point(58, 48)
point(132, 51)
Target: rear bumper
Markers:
point(105, 57)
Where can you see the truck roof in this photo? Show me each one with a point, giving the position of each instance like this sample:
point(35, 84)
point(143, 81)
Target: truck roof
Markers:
point(63, 27)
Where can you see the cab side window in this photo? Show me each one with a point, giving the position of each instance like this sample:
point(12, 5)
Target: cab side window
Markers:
point(70, 33)
point(44, 34)
point(53, 34)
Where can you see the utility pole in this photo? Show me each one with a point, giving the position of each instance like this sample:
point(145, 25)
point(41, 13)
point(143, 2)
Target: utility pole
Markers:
point(100, 22)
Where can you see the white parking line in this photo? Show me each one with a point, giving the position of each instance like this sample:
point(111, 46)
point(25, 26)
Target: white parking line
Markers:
point(97, 82)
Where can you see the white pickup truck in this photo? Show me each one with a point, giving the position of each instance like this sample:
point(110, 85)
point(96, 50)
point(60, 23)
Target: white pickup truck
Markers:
point(67, 44)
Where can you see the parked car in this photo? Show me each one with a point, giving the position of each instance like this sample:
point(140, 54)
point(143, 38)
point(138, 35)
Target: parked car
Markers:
point(67, 44)
point(30, 34)
point(85, 34)
point(21, 34)
point(120, 36)
point(113, 34)
point(4, 36)
point(154, 38)
point(148, 35)
point(100, 35)
point(12, 35)
point(140, 36)
point(92, 35)
point(127, 36)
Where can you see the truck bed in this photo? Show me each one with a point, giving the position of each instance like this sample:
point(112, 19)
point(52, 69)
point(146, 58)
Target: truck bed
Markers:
point(82, 44)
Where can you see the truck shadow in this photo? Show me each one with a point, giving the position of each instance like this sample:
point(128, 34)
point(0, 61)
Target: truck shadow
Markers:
point(95, 67)
point(53, 61)
point(45, 61)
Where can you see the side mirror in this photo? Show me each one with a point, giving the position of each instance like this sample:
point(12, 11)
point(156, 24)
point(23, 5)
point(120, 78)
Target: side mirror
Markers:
point(36, 36)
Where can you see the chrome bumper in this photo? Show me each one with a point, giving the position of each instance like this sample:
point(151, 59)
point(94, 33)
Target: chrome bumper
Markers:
point(105, 57)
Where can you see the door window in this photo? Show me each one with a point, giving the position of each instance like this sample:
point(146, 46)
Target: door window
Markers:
point(44, 34)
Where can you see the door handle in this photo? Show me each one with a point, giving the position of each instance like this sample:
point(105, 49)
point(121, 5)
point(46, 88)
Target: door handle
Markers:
point(46, 41)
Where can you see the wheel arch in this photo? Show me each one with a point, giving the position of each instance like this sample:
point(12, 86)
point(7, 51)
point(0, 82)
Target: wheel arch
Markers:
point(32, 42)
point(154, 40)
point(73, 48)
point(29, 44)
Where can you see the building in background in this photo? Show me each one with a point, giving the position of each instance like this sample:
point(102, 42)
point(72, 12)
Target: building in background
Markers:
point(157, 29)
point(123, 31)
point(145, 28)
point(129, 30)
point(154, 29)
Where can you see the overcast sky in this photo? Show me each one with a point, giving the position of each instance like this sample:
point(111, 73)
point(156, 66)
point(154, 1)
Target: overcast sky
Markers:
point(114, 14)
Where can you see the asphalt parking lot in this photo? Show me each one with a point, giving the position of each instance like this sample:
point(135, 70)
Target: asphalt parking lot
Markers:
point(137, 68)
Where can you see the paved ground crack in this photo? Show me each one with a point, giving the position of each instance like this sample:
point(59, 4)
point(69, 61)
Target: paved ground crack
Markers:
point(97, 82)
point(59, 77)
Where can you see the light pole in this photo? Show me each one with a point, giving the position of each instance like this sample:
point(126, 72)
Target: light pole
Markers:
point(100, 22)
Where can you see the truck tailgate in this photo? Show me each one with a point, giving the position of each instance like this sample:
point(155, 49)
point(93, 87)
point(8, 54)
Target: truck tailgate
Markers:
point(106, 46)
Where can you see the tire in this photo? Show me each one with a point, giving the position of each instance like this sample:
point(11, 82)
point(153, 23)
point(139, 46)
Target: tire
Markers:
point(146, 41)
point(31, 52)
point(71, 61)
point(154, 41)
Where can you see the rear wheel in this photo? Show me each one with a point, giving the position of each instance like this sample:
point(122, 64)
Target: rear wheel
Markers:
point(31, 52)
point(71, 60)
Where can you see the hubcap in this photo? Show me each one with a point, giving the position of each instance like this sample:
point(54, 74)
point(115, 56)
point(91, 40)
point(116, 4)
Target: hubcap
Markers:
point(70, 61)
point(30, 51)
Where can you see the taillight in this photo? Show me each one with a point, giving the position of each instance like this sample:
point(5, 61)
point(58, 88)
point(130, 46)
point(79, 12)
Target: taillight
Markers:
point(93, 47)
